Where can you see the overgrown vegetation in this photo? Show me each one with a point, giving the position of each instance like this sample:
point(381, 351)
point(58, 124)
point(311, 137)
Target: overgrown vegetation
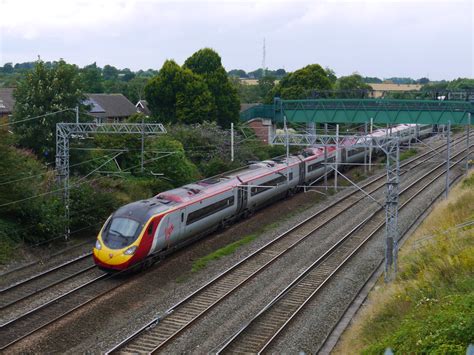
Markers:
point(408, 154)
point(201, 263)
point(429, 308)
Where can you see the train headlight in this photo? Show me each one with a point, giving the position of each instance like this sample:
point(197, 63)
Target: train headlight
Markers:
point(130, 251)
point(98, 246)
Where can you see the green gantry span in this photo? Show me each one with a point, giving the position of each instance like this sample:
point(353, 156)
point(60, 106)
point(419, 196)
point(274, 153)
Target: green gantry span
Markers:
point(387, 111)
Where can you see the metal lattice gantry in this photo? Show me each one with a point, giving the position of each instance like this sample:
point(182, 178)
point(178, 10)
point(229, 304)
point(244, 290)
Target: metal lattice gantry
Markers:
point(390, 145)
point(66, 131)
point(392, 151)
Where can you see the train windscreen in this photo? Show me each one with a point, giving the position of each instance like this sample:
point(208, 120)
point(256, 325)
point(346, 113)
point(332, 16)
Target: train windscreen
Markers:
point(120, 232)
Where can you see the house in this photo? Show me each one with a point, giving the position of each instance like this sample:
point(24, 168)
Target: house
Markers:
point(142, 106)
point(109, 107)
point(6, 102)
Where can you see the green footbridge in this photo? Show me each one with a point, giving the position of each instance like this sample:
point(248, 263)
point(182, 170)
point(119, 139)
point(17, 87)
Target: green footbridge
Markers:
point(382, 111)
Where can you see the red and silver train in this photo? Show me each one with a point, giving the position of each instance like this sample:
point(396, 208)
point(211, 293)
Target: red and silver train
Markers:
point(139, 232)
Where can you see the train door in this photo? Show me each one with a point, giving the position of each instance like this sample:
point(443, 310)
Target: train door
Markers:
point(242, 197)
point(302, 167)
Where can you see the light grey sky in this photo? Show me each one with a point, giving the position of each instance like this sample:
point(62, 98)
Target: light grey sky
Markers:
point(374, 37)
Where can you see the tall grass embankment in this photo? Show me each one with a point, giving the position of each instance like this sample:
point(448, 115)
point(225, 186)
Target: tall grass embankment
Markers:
point(430, 306)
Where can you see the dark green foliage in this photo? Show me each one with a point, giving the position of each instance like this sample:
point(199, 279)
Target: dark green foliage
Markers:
point(207, 63)
point(461, 84)
point(301, 83)
point(352, 86)
point(372, 79)
point(247, 93)
point(257, 74)
point(91, 79)
point(90, 205)
point(173, 163)
point(238, 73)
point(43, 91)
point(178, 95)
point(109, 72)
point(36, 218)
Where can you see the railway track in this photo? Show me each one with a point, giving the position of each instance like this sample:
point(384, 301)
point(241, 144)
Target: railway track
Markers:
point(26, 288)
point(156, 334)
point(33, 320)
point(260, 332)
point(333, 335)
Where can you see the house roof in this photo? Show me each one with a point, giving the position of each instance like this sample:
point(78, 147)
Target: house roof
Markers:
point(6, 100)
point(110, 105)
point(142, 106)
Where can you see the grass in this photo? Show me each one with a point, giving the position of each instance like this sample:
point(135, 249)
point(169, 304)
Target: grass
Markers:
point(229, 249)
point(408, 154)
point(429, 308)
point(201, 263)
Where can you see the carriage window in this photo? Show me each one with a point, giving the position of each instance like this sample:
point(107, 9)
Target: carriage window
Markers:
point(314, 166)
point(209, 210)
point(268, 185)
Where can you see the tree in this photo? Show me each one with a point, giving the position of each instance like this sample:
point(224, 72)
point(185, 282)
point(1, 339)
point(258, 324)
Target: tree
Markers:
point(91, 77)
point(461, 84)
point(238, 73)
point(352, 86)
point(331, 75)
point(265, 85)
point(127, 74)
point(207, 63)
point(8, 68)
point(423, 81)
point(44, 91)
point(280, 73)
point(178, 95)
point(110, 72)
point(301, 83)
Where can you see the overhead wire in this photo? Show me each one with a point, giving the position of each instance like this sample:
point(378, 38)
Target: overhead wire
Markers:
point(34, 118)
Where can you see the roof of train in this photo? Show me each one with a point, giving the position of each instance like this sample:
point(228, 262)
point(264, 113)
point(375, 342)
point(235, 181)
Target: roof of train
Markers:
point(211, 186)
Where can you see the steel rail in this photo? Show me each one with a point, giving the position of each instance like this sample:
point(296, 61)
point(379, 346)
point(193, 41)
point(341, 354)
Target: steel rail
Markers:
point(311, 280)
point(184, 318)
point(33, 263)
point(375, 274)
point(43, 273)
point(54, 301)
point(61, 269)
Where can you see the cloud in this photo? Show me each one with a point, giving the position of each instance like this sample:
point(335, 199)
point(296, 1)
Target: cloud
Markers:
point(374, 37)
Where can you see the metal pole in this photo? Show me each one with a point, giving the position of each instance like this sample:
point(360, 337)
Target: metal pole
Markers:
point(448, 156)
point(467, 140)
point(287, 143)
point(337, 157)
point(77, 114)
point(365, 149)
point(370, 148)
point(391, 207)
point(326, 158)
point(232, 141)
point(143, 146)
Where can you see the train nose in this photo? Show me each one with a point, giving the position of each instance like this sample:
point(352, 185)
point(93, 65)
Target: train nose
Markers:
point(113, 259)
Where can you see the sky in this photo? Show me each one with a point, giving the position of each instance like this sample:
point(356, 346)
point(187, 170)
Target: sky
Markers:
point(412, 38)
